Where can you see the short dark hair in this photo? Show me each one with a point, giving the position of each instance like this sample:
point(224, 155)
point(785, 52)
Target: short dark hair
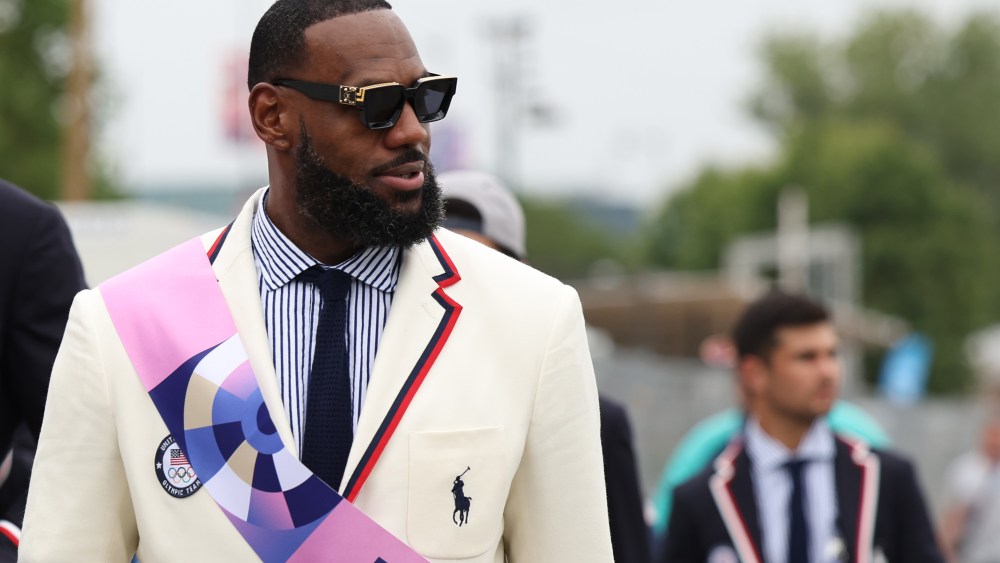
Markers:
point(755, 331)
point(279, 41)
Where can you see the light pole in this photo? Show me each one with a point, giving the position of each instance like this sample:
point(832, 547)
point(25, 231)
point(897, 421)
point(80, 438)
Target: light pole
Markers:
point(75, 184)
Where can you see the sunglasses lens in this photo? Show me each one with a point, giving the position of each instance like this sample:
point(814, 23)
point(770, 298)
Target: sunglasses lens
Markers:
point(433, 98)
point(383, 106)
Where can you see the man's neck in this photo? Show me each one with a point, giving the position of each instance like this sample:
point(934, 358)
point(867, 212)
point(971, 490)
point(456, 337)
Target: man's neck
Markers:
point(316, 243)
point(786, 430)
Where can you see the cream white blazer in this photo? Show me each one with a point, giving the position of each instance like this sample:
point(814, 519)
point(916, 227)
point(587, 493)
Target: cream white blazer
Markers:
point(511, 396)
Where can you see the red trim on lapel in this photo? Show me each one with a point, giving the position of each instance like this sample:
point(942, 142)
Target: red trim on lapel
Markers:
point(450, 276)
point(862, 456)
point(409, 389)
point(720, 485)
point(11, 532)
point(213, 252)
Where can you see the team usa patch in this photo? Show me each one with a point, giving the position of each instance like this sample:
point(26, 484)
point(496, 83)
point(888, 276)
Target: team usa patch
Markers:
point(174, 471)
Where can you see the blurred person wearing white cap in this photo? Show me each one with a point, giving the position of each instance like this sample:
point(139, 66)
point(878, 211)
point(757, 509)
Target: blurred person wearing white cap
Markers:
point(479, 206)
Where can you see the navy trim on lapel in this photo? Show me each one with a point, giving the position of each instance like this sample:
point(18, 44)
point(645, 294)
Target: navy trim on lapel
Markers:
point(450, 275)
point(412, 384)
point(213, 252)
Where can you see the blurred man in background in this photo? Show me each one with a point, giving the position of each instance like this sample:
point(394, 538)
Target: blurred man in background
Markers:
point(479, 206)
point(971, 526)
point(40, 273)
point(788, 489)
point(700, 445)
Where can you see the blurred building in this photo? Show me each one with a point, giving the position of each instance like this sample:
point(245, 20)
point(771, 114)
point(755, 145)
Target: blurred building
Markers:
point(686, 314)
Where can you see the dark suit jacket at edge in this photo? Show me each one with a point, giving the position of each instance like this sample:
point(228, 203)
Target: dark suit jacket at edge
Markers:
point(629, 535)
point(40, 273)
point(902, 529)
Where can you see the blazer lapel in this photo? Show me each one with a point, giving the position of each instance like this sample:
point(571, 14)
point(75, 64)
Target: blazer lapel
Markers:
point(234, 267)
point(847, 477)
point(419, 323)
point(743, 495)
point(732, 490)
point(858, 478)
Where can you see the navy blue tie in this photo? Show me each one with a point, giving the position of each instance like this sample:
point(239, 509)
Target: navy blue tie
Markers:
point(329, 415)
point(798, 528)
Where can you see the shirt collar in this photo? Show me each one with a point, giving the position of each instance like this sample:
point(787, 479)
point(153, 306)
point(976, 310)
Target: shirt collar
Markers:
point(281, 260)
point(767, 453)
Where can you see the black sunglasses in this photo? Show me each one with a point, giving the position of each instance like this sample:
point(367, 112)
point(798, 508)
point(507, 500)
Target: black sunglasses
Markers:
point(381, 104)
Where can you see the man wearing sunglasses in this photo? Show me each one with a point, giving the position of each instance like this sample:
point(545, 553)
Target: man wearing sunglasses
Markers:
point(331, 377)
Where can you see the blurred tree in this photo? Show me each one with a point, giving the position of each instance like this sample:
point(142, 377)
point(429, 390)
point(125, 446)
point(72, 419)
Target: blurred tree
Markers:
point(565, 245)
point(697, 223)
point(892, 132)
point(941, 90)
point(34, 60)
point(923, 235)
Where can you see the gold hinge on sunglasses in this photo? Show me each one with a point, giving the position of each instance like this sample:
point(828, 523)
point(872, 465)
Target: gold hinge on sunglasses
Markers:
point(349, 95)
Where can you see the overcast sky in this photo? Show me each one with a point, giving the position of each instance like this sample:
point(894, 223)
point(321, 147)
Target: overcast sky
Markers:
point(642, 92)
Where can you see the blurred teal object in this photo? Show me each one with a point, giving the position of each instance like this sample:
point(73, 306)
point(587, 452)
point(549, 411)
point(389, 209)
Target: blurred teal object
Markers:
point(707, 439)
point(695, 450)
point(905, 370)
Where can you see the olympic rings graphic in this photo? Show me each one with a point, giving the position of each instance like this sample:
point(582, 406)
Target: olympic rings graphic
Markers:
point(180, 473)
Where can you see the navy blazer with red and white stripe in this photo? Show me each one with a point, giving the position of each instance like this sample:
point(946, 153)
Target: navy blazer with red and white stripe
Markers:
point(882, 515)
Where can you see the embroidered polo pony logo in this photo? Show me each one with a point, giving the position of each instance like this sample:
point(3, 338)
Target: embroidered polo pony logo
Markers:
point(462, 502)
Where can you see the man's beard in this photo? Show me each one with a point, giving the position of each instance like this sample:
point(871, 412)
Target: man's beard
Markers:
point(354, 212)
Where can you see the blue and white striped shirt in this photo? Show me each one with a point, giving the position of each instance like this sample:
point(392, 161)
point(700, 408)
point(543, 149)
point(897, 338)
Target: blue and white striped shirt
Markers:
point(773, 489)
point(291, 312)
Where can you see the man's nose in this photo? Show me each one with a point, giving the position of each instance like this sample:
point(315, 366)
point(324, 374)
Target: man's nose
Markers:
point(408, 131)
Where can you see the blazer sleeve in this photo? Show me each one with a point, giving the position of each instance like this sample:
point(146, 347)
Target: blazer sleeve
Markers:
point(14, 492)
point(45, 275)
point(557, 509)
point(49, 275)
point(629, 534)
point(914, 538)
point(678, 543)
point(72, 515)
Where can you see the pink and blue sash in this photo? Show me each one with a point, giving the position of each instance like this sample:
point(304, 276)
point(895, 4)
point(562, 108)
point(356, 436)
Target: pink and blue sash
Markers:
point(178, 331)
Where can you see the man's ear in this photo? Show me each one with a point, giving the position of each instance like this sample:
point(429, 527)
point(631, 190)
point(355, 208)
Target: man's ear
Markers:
point(270, 117)
point(752, 373)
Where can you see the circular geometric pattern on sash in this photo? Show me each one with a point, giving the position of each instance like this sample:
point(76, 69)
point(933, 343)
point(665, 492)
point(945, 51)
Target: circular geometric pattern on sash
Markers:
point(232, 441)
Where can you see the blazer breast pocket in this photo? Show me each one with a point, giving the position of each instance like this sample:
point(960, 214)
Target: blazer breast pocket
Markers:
point(458, 487)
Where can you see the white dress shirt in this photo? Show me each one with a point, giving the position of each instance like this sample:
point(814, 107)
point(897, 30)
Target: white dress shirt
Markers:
point(773, 488)
point(291, 313)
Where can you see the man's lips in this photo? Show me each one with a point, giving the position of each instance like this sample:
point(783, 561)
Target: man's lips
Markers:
point(406, 177)
point(826, 393)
